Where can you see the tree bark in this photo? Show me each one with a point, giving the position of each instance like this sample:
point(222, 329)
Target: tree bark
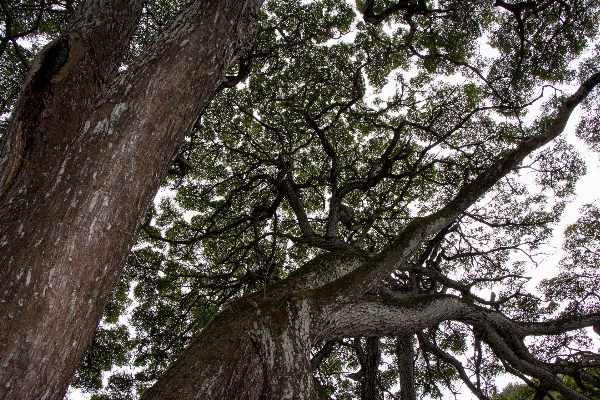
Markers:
point(86, 151)
point(406, 366)
point(259, 346)
point(369, 388)
point(253, 350)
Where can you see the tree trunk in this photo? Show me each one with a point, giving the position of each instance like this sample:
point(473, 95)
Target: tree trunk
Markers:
point(369, 389)
point(250, 351)
point(259, 346)
point(84, 154)
point(406, 367)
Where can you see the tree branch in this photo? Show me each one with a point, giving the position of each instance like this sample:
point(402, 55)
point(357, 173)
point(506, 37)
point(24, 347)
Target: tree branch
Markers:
point(431, 347)
point(369, 387)
point(421, 228)
point(378, 317)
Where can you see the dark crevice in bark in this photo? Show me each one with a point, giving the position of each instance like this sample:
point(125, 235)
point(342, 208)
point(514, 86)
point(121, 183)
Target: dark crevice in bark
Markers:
point(53, 60)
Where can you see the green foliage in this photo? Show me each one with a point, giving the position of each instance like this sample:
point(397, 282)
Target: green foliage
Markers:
point(110, 348)
point(515, 392)
point(312, 122)
point(524, 392)
point(577, 285)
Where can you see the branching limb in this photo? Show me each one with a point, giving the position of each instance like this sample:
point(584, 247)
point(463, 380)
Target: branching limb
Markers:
point(245, 67)
point(516, 354)
point(432, 348)
point(322, 354)
point(504, 336)
point(293, 198)
point(420, 229)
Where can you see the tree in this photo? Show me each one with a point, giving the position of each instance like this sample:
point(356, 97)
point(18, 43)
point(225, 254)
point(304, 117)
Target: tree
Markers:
point(81, 159)
point(318, 224)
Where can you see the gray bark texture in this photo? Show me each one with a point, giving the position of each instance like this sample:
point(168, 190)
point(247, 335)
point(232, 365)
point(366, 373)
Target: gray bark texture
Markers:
point(84, 155)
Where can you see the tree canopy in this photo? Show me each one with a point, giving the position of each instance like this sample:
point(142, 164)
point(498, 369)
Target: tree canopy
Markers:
point(341, 130)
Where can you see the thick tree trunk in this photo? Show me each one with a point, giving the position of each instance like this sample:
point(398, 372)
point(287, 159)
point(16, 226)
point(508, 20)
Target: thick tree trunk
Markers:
point(250, 351)
point(259, 346)
point(82, 159)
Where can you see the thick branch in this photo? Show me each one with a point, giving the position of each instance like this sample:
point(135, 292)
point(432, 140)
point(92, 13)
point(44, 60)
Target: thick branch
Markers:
point(294, 199)
point(320, 271)
point(403, 317)
point(561, 325)
point(420, 229)
point(392, 317)
point(369, 388)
